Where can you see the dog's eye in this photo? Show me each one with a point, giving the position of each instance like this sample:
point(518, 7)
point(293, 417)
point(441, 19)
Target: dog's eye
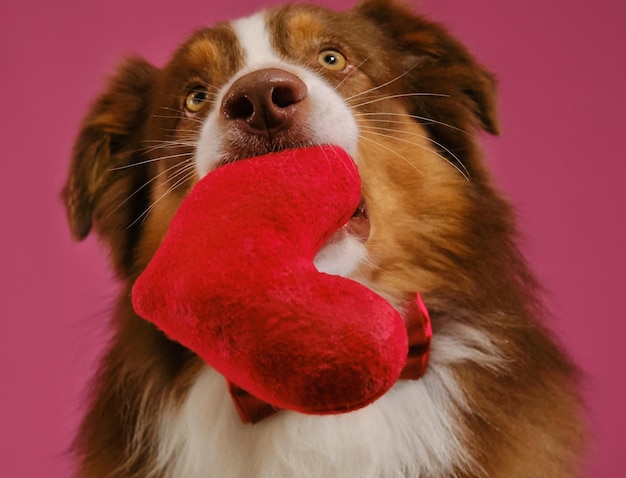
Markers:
point(196, 99)
point(332, 60)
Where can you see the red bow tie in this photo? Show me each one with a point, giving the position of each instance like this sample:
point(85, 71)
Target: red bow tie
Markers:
point(252, 409)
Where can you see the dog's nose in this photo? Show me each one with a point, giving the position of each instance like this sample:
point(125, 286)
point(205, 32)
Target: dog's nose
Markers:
point(265, 101)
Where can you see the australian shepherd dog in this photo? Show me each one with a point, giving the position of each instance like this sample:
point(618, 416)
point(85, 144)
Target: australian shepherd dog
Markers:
point(406, 100)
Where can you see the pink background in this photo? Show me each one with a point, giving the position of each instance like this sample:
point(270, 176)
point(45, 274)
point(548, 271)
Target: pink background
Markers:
point(562, 72)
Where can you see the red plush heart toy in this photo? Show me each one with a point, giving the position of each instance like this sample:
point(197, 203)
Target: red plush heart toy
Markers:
point(234, 281)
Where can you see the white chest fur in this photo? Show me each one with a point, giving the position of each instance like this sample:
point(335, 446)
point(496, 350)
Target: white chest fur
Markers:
point(412, 431)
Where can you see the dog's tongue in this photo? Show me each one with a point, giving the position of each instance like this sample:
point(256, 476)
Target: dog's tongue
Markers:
point(234, 281)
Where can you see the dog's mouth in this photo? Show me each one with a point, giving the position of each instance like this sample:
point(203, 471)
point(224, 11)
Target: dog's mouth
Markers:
point(359, 223)
point(238, 145)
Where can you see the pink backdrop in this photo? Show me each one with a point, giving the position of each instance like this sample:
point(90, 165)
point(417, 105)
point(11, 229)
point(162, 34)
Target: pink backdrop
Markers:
point(562, 74)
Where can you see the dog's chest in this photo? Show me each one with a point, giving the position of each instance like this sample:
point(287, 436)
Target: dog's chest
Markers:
point(409, 432)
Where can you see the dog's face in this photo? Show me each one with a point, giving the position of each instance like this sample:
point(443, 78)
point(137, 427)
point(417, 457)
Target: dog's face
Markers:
point(395, 91)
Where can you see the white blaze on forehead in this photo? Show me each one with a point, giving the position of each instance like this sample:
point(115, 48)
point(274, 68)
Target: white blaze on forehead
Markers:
point(254, 40)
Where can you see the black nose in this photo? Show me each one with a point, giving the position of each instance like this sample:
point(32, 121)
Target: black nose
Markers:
point(265, 102)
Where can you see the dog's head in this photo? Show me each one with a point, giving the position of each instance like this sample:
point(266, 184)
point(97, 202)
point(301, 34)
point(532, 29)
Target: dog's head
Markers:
point(397, 92)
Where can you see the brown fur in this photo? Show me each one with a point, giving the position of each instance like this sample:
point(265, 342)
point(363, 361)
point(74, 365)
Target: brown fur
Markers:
point(433, 231)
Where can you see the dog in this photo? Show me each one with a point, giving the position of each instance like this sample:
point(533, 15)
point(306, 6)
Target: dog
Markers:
point(407, 101)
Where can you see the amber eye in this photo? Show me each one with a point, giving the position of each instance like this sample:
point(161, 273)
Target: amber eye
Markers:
point(196, 99)
point(332, 60)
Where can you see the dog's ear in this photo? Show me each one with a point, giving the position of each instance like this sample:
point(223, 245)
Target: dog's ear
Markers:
point(100, 179)
point(437, 63)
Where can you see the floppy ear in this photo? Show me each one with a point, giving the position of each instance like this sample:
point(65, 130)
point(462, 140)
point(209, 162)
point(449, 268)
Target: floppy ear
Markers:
point(96, 189)
point(439, 64)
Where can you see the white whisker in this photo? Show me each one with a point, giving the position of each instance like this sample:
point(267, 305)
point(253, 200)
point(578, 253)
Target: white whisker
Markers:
point(178, 117)
point(393, 152)
point(181, 165)
point(349, 99)
point(372, 131)
point(192, 132)
point(171, 142)
point(167, 145)
point(153, 160)
point(405, 115)
point(464, 171)
point(399, 95)
point(187, 173)
point(356, 69)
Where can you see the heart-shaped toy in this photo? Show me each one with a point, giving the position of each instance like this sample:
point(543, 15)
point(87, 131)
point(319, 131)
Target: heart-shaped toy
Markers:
point(234, 281)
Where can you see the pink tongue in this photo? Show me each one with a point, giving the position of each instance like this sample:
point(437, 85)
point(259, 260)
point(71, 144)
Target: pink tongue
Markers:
point(234, 281)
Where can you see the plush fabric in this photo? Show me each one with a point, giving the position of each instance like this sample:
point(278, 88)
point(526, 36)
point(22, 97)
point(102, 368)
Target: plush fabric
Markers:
point(252, 409)
point(234, 281)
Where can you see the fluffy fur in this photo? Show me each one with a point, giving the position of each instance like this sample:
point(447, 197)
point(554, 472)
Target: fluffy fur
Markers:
point(407, 101)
